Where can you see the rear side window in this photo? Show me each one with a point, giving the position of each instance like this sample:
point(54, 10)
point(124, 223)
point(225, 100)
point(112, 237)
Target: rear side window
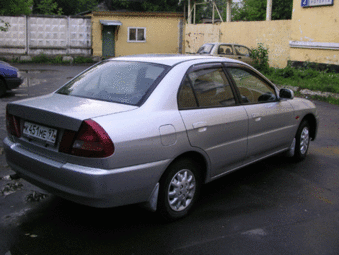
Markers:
point(186, 96)
point(116, 81)
point(225, 50)
point(209, 86)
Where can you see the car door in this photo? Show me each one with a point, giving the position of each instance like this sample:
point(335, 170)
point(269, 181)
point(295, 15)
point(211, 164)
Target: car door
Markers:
point(214, 121)
point(243, 54)
point(271, 121)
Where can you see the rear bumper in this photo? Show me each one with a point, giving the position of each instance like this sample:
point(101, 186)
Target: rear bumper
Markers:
point(13, 83)
point(85, 185)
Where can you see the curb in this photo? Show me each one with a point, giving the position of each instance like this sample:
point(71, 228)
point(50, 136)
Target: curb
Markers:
point(307, 92)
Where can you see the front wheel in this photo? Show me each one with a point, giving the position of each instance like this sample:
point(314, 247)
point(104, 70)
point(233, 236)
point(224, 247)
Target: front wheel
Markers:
point(179, 189)
point(302, 141)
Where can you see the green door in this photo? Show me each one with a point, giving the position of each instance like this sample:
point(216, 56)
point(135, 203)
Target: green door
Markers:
point(108, 41)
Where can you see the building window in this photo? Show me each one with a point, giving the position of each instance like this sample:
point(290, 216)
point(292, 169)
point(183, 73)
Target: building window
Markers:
point(136, 34)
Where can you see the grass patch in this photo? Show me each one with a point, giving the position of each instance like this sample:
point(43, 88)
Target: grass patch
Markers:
point(304, 78)
point(82, 60)
point(41, 59)
point(45, 59)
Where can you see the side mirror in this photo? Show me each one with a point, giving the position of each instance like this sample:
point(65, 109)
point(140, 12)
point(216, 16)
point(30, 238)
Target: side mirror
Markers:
point(286, 94)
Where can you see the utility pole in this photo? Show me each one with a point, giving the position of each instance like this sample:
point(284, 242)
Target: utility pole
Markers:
point(228, 10)
point(189, 12)
point(269, 10)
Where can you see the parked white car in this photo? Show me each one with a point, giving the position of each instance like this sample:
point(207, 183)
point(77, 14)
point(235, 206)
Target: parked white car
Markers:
point(227, 50)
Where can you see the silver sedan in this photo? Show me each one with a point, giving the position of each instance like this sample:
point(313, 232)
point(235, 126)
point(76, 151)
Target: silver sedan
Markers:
point(153, 129)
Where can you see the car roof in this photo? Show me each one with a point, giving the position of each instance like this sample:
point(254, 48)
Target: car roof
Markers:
point(173, 59)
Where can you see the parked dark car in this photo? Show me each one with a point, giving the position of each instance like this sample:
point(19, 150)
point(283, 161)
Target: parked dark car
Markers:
point(10, 77)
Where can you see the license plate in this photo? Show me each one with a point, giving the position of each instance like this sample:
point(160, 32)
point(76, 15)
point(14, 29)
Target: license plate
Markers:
point(41, 132)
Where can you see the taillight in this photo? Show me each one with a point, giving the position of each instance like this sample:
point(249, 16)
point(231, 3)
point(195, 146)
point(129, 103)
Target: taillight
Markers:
point(91, 141)
point(12, 124)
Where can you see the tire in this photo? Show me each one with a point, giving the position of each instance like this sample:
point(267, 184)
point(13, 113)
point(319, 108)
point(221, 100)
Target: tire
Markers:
point(2, 88)
point(302, 141)
point(179, 189)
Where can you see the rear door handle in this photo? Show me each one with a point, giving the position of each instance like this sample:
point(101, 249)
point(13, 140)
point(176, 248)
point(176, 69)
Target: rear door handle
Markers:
point(201, 126)
point(256, 116)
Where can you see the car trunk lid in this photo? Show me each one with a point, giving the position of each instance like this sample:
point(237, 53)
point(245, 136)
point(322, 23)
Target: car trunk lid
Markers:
point(62, 111)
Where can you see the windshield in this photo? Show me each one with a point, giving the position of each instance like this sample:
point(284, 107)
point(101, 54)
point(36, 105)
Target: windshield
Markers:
point(205, 49)
point(116, 81)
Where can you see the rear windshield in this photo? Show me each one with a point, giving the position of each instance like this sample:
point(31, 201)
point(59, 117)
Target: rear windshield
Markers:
point(205, 49)
point(116, 81)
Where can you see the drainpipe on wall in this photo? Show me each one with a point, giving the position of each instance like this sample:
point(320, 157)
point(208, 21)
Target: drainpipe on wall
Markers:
point(181, 32)
point(269, 10)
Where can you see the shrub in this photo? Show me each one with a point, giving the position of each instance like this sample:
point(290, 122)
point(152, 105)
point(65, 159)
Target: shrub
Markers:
point(260, 57)
point(57, 60)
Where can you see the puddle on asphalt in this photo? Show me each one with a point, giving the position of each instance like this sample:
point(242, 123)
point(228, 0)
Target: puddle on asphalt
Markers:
point(37, 71)
point(30, 82)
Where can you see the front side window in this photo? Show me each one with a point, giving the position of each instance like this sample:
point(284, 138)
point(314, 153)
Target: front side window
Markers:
point(211, 89)
point(241, 50)
point(251, 88)
point(116, 81)
point(205, 49)
point(136, 34)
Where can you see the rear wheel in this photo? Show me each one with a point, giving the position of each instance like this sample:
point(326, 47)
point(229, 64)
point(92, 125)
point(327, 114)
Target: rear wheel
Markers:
point(179, 189)
point(2, 88)
point(302, 141)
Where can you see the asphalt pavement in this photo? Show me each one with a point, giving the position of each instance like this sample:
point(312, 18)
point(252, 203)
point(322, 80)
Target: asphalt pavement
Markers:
point(275, 206)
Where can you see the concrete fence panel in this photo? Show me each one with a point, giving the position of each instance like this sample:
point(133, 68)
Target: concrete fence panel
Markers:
point(14, 40)
point(51, 35)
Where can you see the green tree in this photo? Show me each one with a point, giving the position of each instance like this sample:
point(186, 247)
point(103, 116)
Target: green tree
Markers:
point(48, 7)
point(142, 5)
point(85, 5)
point(15, 7)
point(255, 10)
point(204, 9)
point(65, 7)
